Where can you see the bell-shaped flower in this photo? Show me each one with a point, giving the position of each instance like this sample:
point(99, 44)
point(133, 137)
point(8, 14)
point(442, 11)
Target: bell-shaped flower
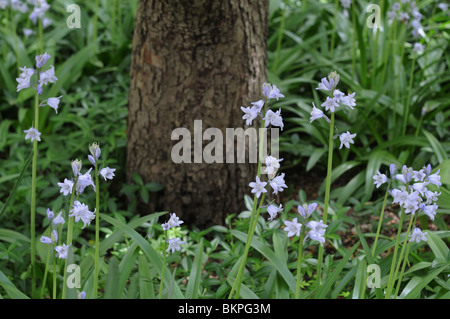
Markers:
point(32, 134)
point(174, 244)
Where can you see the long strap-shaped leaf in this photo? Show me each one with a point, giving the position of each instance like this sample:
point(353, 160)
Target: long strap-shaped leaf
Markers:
point(13, 191)
point(152, 255)
point(279, 264)
point(11, 290)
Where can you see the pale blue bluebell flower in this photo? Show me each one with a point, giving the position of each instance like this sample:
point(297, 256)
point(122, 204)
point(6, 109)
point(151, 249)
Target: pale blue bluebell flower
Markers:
point(83, 181)
point(258, 187)
point(174, 221)
point(174, 244)
point(42, 59)
point(349, 100)
point(107, 173)
point(81, 212)
point(58, 220)
point(346, 139)
point(316, 114)
point(66, 187)
point(417, 235)
point(317, 231)
point(306, 210)
point(249, 114)
point(62, 251)
point(273, 118)
point(293, 228)
point(429, 210)
point(32, 134)
point(47, 76)
point(330, 104)
point(24, 78)
point(48, 240)
point(380, 179)
point(278, 184)
point(53, 102)
point(271, 91)
point(50, 214)
point(274, 210)
point(272, 165)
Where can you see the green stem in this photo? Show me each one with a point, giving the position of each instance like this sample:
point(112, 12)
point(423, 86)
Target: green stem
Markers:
point(405, 243)
point(380, 222)
point(69, 234)
point(327, 194)
point(97, 229)
point(46, 271)
point(163, 267)
point(299, 263)
point(33, 198)
point(239, 278)
point(54, 275)
point(235, 289)
point(394, 258)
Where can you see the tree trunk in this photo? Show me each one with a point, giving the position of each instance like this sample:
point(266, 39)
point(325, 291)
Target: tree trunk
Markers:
point(194, 60)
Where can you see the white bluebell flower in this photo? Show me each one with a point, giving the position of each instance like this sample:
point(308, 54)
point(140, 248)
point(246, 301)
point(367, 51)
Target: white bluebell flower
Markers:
point(293, 227)
point(274, 210)
point(62, 251)
point(380, 179)
point(417, 235)
point(278, 184)
point(174, 244)
point(81, 212)
point(346, 139)
point(32, 134)
point(306, 210)
point(58, 219)
point(107, 173)
point(258, 187)
point(273, 118)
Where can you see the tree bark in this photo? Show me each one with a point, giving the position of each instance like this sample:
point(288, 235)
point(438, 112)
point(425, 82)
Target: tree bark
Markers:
point(194, 60)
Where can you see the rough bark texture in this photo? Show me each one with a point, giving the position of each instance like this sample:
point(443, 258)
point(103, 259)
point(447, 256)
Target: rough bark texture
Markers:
point(194, 60)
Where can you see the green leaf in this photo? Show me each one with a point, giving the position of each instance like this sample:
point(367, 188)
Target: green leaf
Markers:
point(13, 191)
point(146, 289)
point(112, 280)
point(416, 284)
point(438, 246)
point(195, 274)
point(126, 265)
point(279, 264)
point(10, 289)
point(360, 280)
point(147, 249)
point(12, 236)
point(325, 288)
point(438, 149)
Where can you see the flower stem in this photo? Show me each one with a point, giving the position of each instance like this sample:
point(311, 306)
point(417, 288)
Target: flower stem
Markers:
point(97, 230)
point(327, 194)
point(252, 227)
point(380, 221)
point(69, 234)
point(163, 266)
point(33, 198)
point(235, 289)
point(299, 264)
point(46, 271)
point(405, 244)
point(54, 276)
point(391, 280)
